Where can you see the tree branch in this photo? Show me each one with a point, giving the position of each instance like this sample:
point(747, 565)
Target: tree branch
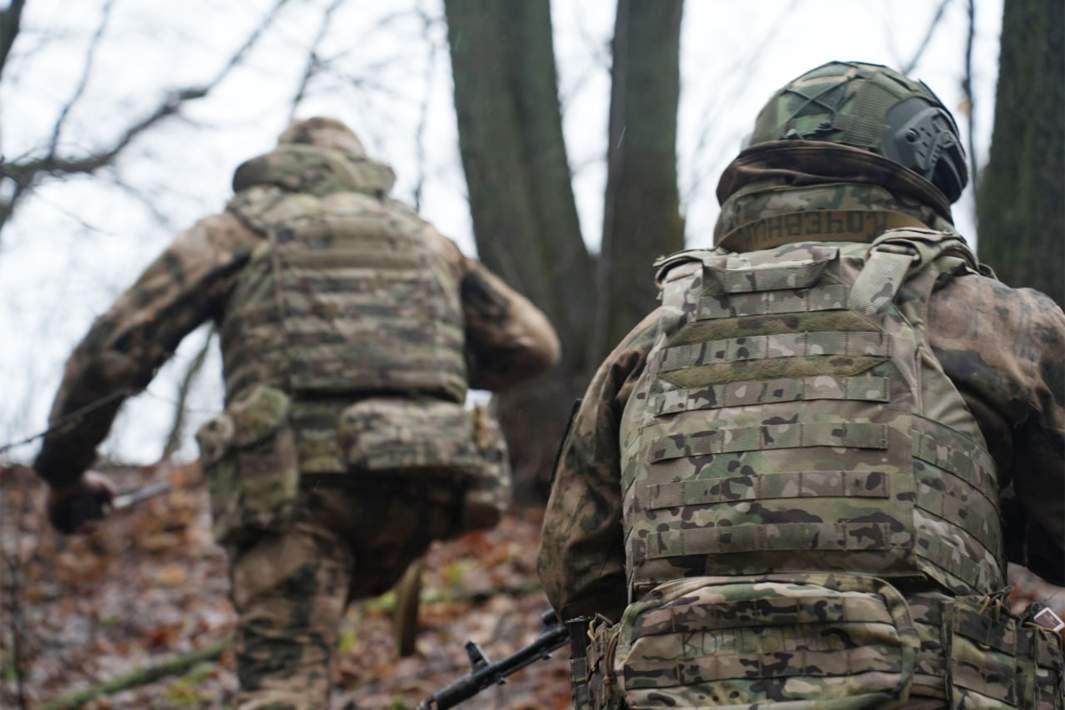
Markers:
point(25, 173)
point(83, 81)
point(967, 87)
point(423, 109)
point(143, 676)
point(177, 428)
point(912, 64)
point(312, 65)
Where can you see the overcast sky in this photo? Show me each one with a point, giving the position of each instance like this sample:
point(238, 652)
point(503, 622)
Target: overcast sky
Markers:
point(75, 245)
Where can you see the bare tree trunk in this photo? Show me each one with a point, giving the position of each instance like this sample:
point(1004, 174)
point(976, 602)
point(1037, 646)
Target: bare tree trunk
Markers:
point(1021, 200)
point(510, 134)
point(10, 23)
point(524, 214)
point(641, 217)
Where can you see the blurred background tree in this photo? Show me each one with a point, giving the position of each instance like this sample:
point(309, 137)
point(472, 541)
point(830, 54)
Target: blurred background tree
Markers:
point(1021, 193)
point(524, 212)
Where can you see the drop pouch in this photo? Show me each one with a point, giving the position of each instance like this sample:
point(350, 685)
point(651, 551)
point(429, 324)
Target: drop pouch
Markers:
point(251, 465)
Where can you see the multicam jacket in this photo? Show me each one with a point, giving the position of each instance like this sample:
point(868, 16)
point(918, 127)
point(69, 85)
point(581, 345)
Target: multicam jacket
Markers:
point(1001, 347)
point(499, 335)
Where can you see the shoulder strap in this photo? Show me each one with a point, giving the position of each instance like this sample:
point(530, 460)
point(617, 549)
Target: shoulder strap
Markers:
point(680, 274)
point(898, 254)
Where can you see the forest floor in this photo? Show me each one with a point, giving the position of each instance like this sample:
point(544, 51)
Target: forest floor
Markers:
point(149, 585)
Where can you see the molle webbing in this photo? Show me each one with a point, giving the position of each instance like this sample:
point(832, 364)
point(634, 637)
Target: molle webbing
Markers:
point(855, 435)
point(346, 298)
point(779, 425)
point(783, 345)
point(746, 539)
point(816, 225)
point(790, 484)
point(746, 394)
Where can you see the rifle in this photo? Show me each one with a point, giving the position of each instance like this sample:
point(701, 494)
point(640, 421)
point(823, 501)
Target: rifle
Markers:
point(484, 674)
point(92, 509)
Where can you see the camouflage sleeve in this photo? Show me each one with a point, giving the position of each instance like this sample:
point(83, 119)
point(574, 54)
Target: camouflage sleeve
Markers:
point(582, 553)
point(1004, 348)
point(508, 339)
point(118, 357)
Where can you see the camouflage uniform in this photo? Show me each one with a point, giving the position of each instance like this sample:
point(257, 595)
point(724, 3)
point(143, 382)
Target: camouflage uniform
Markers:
point(735, 588)
point(350, 332)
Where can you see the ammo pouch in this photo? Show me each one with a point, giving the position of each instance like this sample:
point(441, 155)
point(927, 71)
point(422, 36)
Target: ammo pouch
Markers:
point(997, 660)
point(488, 495)
point(746, 641)
point(396, 438)
point(250, 461)
point(817, 638)
point(595, 684)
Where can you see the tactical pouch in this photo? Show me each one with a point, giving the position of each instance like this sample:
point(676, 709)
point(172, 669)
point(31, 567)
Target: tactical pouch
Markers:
point(250, 461)
point(488, 494)
point(395, 437)
point(996, 660)
point(830, 640)
point(594, 677)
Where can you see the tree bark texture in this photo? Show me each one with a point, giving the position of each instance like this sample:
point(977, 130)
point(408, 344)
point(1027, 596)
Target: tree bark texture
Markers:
point(641, 216)
point(1021, 198)
point(524, 214)
point(510, 135)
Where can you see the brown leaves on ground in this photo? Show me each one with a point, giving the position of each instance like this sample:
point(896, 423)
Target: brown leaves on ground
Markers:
point(149, 583)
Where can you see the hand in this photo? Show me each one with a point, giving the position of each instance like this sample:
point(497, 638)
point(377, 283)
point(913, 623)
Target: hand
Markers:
point(1029, 588)
point(70, 507)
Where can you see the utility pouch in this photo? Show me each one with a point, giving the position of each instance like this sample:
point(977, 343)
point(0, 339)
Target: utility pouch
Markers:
point(489, 493)
point(997, 660)
point(600, 678)
point(394, 438)
point(801, 640)
point(250, 461)
point(578, 662)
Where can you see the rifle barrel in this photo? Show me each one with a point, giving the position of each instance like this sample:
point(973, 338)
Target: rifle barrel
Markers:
point(477, 680)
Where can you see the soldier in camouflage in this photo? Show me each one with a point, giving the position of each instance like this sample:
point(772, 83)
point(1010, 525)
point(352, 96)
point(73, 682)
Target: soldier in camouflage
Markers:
point(783, 487)
point(351, 330)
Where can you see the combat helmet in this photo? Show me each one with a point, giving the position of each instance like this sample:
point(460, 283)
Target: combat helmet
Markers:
point(875, 108)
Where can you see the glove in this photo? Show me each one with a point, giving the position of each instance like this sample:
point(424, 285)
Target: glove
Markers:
point(71, 507)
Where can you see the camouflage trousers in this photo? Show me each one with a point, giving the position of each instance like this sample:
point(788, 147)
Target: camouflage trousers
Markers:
point(291, 587)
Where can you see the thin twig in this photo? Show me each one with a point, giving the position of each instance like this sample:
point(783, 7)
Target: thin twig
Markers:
point(83, 81)
point(967, 87)
point(143, 676)
point(312, 65)
point(26, 172)
point(146, 201)
point(423, 110)
point(63, 421)
point(177, 428)
point(936, 17)
point(238, 56)
point(718, 100)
